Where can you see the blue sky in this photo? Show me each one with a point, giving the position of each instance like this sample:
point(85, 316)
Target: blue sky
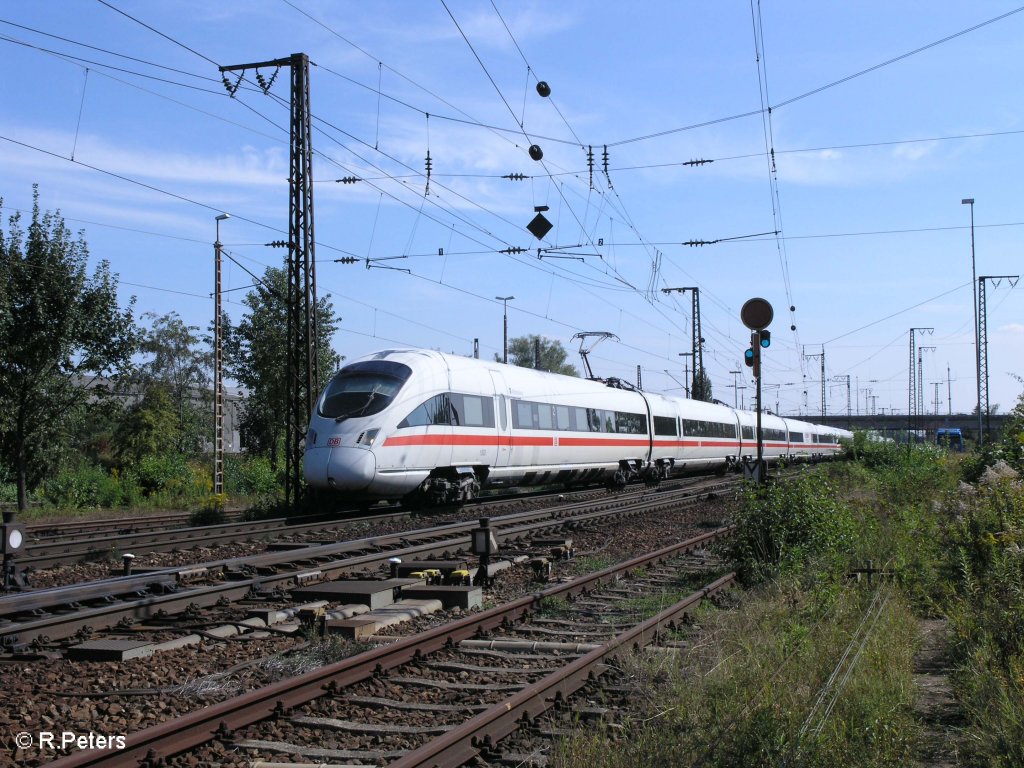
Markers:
point(862, 179)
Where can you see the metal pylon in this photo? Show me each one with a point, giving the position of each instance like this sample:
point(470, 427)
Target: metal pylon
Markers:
point(912, 390)
point(983, 404)
point(301, 375)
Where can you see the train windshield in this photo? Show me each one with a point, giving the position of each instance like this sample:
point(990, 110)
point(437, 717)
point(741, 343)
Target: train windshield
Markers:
point(363, 389)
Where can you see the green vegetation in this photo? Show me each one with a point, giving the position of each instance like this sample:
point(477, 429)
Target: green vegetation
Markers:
point(783, 526)
point(58, 326)
point(812, 664)
point(522, 351)
point(98, 412)
point(161, 481)
point(256, 352)
point(557, 608)
point(744, 695)
point(589, 563)
point(985, 538)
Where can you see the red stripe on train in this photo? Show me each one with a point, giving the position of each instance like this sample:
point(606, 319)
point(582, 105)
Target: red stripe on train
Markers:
point(576, 442)
point(483, 440)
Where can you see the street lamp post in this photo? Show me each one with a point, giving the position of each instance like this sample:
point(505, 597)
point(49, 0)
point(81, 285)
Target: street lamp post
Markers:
point(686, 368)
point(974, 292)
point(218, 369)
point(505, 300)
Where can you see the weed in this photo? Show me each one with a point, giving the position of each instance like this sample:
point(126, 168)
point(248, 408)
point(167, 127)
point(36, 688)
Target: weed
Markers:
point(783, 527)
point(212, 511)
point(556, 608)
point(319, 653)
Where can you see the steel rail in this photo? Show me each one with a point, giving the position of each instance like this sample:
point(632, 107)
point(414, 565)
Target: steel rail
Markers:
point(315, 562)
point(196, 728)
point(465, 741)
point(316, 553)
point(62, 529)
point(57, 551)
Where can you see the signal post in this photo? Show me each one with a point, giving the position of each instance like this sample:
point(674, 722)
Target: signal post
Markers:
point(757, 315)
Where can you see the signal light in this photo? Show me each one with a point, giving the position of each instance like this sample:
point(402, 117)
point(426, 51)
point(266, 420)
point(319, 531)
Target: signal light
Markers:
point(765, 338)
point(748, 357)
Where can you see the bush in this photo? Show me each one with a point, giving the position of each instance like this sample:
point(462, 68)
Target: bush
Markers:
point(783, 526)
point(985, 536)
point(250, 476)
point(212, 511)
point(8, 493)
point(267, 507)
point(171, 475)
point(89, 486)
point(1008, 448)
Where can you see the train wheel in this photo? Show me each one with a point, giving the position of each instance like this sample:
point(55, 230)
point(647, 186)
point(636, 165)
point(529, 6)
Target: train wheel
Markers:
point(617, 481)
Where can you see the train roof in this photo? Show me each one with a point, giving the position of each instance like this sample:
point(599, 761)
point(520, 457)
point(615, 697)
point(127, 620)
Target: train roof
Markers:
point(521, 380)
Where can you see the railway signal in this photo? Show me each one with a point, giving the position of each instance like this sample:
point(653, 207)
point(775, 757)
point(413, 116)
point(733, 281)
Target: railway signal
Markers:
point(13, 541)
point(757, 315)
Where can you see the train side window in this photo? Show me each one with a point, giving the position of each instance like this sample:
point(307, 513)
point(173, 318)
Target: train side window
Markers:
point(476, 411)
point(522, 415)
point(544, 416)
point(501, 413)
point(748, 433)
point(562, 418)
point(579, 420)
point(631, 423)
point(665, 425)
point(796, 437)
point(435, 410)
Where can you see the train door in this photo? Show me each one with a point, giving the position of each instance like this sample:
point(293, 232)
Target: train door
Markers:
point(473, 423)
point(502, 424)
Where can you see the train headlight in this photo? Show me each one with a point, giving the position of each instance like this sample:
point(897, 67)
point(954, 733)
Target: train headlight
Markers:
point(367, 437)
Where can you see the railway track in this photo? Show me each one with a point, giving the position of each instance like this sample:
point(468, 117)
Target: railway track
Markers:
point(66, 550)
point(54, 544)
point(443, 696)
point(100, 527)
point(40, 618)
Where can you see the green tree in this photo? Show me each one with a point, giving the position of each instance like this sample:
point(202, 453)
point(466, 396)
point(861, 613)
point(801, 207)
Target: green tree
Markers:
point(701, 386)
point(58, 327)
point(522, 349)
point(182, 372)
point(150, 427)
point(255, 354)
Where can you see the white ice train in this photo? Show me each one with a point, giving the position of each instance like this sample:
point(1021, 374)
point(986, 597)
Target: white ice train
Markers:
point(424, 426)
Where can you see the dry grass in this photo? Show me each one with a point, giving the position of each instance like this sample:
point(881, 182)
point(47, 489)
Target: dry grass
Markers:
point(786, 679)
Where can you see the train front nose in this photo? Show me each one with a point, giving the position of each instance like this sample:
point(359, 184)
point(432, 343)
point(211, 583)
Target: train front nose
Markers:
point(340, 468)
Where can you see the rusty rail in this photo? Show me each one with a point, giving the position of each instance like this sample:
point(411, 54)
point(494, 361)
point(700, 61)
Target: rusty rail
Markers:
point(196, 728)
